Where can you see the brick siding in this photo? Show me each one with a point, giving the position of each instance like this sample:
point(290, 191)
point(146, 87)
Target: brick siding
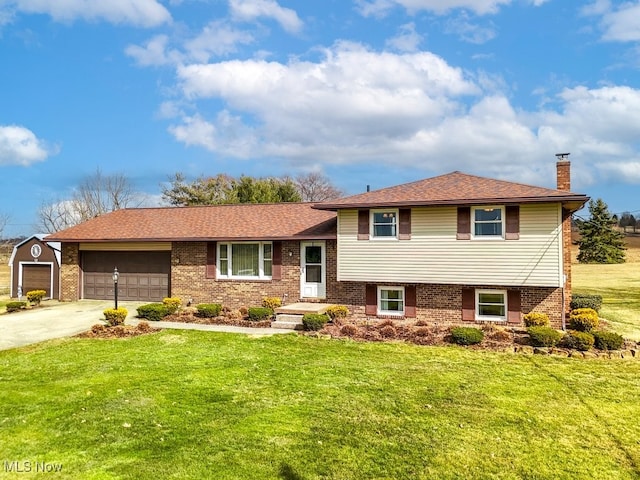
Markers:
point(70, 272)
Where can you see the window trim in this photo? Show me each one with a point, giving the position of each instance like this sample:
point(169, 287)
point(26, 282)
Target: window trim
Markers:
point(503, 221)
point(392, 313)
point(372, 224)
point(492, 318)
point(229, 259)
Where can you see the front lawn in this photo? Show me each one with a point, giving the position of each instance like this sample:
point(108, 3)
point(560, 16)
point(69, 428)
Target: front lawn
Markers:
point(204, 405)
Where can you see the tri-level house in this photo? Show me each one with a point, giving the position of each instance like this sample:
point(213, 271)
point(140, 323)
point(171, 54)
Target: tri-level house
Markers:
point(450, 249)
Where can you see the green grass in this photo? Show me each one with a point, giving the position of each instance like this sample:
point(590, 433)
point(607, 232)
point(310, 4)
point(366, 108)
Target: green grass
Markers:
point(619, 286)
point(204, 405)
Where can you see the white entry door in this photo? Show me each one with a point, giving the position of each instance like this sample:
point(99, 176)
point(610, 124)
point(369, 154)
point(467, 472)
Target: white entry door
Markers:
point(313, 278)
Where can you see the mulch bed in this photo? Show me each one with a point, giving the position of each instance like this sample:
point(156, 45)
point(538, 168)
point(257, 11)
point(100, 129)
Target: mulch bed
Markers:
point(220, 320)
point(119, 331)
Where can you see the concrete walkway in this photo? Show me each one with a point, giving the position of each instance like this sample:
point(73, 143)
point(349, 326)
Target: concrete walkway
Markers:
point(64, 319)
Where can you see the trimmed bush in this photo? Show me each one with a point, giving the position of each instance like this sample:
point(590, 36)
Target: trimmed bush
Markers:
point(536, 319)
point(582, 300)
point(173, 304)
point(153, 311)
point(314, 321)
point(582, 341)
point(544, 336)
point(15, 306)
point(608, 341)
point(583, 319)
point(466, 335)
point(115, 316)
point(257, 314)
point(337, 312)
point(35, 296)
point(271, 302)
point(208, 310)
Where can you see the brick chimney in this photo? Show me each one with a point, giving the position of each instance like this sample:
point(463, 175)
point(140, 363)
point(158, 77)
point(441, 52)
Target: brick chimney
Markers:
point(563, 172)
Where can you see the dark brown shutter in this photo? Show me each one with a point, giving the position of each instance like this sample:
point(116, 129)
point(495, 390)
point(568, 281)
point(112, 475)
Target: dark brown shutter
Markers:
point(363, 224)
point(468, 304)
point(276, 261)
point(464, 223)
point(410, 301)
point(512, 231)
point(514, 306)
point(405, 224)
point(211, 260)
point(371, 301)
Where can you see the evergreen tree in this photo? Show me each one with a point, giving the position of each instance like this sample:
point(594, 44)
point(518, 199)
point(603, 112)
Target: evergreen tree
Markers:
point(600, 242)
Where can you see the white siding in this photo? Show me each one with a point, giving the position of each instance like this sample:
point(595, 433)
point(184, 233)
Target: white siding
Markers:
point(433, 255)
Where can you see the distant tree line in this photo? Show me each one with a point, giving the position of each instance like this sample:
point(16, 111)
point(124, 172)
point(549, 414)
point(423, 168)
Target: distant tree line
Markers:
point(98, 194)
point(627, 220)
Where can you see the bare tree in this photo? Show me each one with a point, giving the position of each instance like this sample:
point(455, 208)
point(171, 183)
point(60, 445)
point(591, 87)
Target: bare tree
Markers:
point(315, 187)
point(96, 194)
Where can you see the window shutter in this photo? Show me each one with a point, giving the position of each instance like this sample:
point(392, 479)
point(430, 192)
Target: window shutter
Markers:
point(468, 304)
point(371, 301)
point(464, 223)
point(405, 224)
point(363, 224)
point(513, 306)
point(211, 260)
point(512, 230)
point(410, 301)
point(276, 261)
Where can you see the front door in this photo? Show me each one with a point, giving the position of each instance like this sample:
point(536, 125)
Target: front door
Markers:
point(313, 278)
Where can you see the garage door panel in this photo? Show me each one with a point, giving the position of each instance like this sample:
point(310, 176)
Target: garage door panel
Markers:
point(36, 277)
point(143, 275)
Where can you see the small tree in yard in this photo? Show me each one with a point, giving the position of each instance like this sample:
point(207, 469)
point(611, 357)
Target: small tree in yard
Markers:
point(600, 242)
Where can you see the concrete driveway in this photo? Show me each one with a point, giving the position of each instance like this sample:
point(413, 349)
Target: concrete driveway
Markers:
point(54, 320)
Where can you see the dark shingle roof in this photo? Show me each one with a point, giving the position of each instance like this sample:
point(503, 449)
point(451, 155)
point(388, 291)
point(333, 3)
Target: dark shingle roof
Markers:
point(455, 188)
point(218, 222)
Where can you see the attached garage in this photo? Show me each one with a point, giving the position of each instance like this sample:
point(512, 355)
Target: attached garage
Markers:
point(144, 275)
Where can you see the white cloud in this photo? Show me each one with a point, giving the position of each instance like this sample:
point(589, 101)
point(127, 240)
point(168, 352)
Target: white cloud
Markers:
point(407, 40)
point(622, 25)
point(250, 10)
point(142, 13)
point(20, 146)
point(468, 31)
point(480, 7)
point(154, 52)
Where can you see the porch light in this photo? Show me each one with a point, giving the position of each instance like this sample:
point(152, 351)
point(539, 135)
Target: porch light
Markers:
point(116, 275)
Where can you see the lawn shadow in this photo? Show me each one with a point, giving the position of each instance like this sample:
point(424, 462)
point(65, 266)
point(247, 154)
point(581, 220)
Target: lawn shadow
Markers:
point(288, 473)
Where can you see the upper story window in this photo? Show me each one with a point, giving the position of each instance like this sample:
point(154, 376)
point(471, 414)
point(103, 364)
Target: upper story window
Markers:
point(384, 223)
point(488, 222)
point(246, 260)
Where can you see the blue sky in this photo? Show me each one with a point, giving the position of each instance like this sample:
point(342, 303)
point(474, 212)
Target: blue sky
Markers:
point(369, 92)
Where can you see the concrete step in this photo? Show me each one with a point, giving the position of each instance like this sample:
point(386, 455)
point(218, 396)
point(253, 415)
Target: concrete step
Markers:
point(289, 321)
point(288, 317)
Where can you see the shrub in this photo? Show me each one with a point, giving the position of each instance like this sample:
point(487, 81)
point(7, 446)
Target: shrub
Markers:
point(388, 331)
point(244, 311)
point(582, 300)
point(98, 328)
point(536, 319)
point(337, 312)
point(422, 331)
point(582, 341)
point(173, 304)
point(386, 323)
point(115, 316)
point(314, 321)
point(466, 335)
point(348, 330)
point(608, 340)
point(36, 296)
point(15, 306)
point(257, 314)
point(544, 336)
point(144, 327)
point(208, 310)
point(583, 319)
point(153, 311)
point(271, 302)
